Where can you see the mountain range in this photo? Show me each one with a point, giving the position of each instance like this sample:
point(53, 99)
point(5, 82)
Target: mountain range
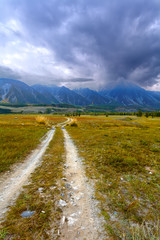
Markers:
point(122, 94)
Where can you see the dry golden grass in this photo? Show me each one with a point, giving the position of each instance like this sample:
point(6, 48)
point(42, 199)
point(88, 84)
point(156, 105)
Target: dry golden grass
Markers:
point(40, 195)
point(122, 157)
point(42, 120)
point(145, 231)
point(16, 142)
point(19, 134)
point(73, 123)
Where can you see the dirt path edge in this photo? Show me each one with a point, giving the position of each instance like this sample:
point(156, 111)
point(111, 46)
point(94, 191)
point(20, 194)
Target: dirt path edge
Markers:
point(11, 185)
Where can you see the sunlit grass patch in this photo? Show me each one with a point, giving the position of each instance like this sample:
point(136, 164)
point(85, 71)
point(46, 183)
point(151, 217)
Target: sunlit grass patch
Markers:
point(73, 123)
point(42, 120)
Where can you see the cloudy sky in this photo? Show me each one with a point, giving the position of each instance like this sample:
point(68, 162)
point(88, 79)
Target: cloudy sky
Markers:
point(81, 43)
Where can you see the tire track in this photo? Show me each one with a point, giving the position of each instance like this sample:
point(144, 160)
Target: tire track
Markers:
point(80, 215)
point(10, 187)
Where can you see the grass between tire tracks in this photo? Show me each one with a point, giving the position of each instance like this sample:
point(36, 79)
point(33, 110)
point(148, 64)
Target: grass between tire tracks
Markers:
point(123, 158)
point(40, 195)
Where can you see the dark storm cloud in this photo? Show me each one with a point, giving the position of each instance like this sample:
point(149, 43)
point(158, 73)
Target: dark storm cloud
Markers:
point(6, 72)
point(107, 40)
point(81, 80)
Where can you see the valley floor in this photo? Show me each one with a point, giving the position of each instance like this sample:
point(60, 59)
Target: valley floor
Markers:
point(74, 211)
point(107, 188)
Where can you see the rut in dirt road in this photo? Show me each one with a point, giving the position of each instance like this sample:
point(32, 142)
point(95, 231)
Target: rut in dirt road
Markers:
point(10, 187)
point(80, 215)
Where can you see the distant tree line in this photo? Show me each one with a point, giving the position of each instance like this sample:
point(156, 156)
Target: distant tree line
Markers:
point(152, 114)
point(74, 114)
point(4, 111)
point(147, 114)
point(139, 113)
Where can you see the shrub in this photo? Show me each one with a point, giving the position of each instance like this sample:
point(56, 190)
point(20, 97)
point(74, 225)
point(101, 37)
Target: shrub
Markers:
point(42, 120)
point(74, 123)
point(139, 113)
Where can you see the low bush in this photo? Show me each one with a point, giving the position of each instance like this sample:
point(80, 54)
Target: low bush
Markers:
point(42, 120)
point(74, 123)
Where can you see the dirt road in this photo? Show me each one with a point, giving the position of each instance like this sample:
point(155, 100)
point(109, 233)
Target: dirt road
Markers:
point(10, 184)
point(80, 215)
point(80, 218)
